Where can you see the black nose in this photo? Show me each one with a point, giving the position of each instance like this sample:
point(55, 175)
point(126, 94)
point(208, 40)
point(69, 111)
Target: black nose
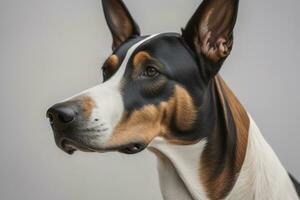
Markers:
point(61, 115)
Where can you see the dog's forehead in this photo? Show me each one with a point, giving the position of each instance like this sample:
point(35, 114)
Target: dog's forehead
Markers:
point(158, 46)
point(123, 49)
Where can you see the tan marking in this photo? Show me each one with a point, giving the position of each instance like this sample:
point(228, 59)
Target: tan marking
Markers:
point(88, 105)
point(219, 187)
point(140, 57)
point(185, 110)
point(141, 126)
point(138, 61)
point(151, 121)
point(113, 63)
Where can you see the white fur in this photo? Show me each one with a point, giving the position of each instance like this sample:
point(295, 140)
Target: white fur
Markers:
point(185, 162)
point(108, 99)
point(262, 176)
point(171, 184)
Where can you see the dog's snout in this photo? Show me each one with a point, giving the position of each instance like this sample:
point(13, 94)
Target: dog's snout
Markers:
point(61, 115)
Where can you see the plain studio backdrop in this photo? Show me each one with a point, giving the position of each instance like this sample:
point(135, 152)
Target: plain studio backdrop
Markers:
point(50, 50)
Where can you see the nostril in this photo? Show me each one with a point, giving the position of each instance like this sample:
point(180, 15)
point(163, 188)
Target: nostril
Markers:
point(66, 117)
point(51, 118)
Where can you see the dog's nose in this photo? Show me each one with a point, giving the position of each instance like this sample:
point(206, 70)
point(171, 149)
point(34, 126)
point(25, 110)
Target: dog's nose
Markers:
point(61, 115)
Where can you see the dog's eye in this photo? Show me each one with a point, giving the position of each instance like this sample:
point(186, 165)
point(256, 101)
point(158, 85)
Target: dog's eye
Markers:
point(150, 72)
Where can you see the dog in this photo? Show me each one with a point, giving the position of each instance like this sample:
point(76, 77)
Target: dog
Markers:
point(163, 93)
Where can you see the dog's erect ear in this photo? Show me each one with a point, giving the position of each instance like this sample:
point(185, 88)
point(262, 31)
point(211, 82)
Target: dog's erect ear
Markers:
point(210, 31)
point(120, 22)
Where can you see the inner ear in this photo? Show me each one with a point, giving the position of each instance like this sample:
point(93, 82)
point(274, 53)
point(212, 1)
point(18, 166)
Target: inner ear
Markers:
point(120, 22)
point(210, 31)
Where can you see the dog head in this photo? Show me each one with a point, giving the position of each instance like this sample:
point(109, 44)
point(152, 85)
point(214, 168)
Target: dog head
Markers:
point(153, 86)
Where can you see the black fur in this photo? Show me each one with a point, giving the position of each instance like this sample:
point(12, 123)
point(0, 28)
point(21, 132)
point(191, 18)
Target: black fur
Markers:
point(296, 184)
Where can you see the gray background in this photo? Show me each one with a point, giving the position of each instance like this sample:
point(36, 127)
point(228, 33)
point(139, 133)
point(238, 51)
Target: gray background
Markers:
point(50, 50)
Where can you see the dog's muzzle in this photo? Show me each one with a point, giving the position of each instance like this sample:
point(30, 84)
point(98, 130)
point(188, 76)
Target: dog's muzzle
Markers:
point(65, 119)
point(73, 131)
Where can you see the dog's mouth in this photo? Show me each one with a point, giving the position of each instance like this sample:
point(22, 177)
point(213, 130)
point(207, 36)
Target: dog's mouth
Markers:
point(133, 148)
point(70, 147)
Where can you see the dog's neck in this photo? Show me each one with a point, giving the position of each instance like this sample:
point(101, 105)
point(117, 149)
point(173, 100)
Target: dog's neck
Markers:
point(232, 162)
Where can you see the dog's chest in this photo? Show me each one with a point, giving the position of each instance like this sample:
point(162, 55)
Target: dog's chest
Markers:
point(178, 168)
point(172, 186)
point(262, 176)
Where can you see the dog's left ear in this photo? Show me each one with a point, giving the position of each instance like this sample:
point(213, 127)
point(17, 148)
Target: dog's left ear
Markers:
point(120, 22)
point(210, 32)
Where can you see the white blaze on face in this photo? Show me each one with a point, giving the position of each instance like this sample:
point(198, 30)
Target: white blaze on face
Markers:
point(107, 96)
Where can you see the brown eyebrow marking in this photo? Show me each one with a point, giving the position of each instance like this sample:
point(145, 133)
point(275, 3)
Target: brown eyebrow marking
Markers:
point(138, 60)
point(140, 57)
point(112, 62)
